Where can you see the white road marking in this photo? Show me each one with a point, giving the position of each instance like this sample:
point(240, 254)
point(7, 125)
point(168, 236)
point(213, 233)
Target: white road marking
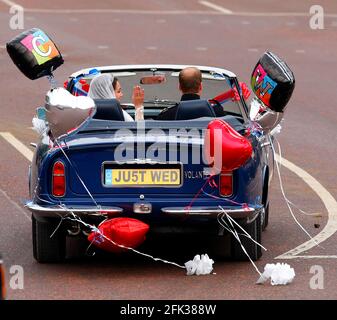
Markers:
point(102, 47)
point(300, 51)
point(290, 23)
point(330, 204)
point(120, 11)
point(151, 48)
point(253, 50)
point(218, 11)
point(201, 48)
point(18, 145)
point(280, 14)
point(309, 257)
point(10, 3)
point(15, 204)
point(215, 7)
point(2, 47)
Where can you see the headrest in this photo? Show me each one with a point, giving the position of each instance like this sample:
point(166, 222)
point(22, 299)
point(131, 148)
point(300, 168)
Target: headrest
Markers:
point(193, 109)
point(108, 109)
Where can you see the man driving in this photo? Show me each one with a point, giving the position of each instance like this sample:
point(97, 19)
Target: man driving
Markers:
point(190, 85)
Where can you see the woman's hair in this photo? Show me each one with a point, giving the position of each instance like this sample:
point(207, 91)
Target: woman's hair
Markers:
point(114, 82)
point(101, 87)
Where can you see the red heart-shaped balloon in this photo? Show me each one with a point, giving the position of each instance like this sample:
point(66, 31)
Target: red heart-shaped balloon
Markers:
point(225, 149)
point(123, 231)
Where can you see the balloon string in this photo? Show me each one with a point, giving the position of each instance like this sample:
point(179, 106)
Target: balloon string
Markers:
point(93, 228)
point(212, 185)
point(233, 231)
point(78, 176)
point(290, 202)
point(196, 196)
point(52, 81)
point(284, 195)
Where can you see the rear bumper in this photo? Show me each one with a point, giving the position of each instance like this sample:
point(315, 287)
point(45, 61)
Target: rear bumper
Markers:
point(212, 212)
point(62, 211)
point(248, 213)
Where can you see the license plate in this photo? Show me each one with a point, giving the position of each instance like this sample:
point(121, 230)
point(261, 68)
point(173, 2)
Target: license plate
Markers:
point(142, 176)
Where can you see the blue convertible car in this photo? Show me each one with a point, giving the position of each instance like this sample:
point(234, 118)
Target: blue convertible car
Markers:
point(151, 170)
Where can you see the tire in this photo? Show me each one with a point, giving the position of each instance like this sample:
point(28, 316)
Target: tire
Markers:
point(254, 229)
point(48, 249)
point(266, 217)
point(221, 247)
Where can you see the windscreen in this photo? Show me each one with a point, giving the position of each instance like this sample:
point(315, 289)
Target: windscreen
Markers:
point(165, 94)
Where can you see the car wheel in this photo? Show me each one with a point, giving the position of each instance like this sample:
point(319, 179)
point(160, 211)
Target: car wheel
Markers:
point(46, 248)
point(220, 246)
point(266, 217)
point(254, 229)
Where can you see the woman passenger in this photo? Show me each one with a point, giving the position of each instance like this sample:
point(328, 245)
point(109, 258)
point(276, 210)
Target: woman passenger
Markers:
point(106, 86)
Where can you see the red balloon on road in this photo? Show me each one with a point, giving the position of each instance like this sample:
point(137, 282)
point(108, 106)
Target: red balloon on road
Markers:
point(123, 231)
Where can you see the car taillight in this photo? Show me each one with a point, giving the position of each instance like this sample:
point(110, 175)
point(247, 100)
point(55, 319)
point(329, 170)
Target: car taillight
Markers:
point(226, 183)
point(59, 180)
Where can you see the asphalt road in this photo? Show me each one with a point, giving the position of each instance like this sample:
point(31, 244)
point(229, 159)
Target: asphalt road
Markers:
point(181, 32)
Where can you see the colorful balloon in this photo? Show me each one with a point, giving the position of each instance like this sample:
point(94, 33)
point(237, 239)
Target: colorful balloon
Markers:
point(273, 82)
point(34, 53)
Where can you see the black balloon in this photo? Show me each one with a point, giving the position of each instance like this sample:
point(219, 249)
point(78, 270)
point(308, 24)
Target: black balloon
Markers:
point(34, 53)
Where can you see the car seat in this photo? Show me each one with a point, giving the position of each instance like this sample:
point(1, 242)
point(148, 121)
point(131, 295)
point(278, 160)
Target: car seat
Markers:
point(193, 109)
point(108, 109)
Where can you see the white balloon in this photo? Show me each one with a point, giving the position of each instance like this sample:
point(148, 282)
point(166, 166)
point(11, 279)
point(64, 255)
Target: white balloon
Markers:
point(65, 112)
point(264, 116)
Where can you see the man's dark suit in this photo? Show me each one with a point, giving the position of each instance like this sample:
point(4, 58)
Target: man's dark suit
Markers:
point(170, 113)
